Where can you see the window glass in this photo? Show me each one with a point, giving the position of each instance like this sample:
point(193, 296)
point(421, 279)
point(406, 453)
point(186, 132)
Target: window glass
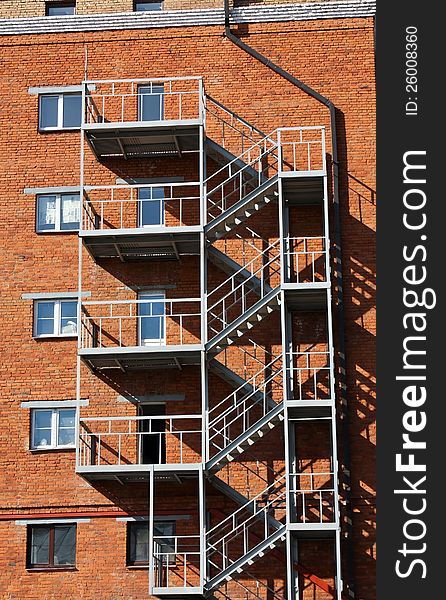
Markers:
point(48, 111)
point(151, 318)
point(69, 211)
point(40, 545)
point(59, 9)
point(46, 213)
point(151, 206)
point(139, 543)
point(65, 434)
point(151, 105)
point(42, 428)
point(68, 317)
point(144, 6)
point(45, 318)
point(164, 541)
point(64, 545)
point(72, 110)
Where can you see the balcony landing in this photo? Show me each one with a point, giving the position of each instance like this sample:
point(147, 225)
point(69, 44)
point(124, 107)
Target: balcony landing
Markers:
point(136, 358)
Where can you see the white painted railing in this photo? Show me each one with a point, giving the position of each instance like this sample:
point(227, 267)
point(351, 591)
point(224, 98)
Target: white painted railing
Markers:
point(302, 149)
point(307, 259)
point(176, 561)
point(310, 375)
point(129, 441)
point(244, 290)
point(314, 497)
point(247, 527)
point(244, 407)
point(121, 323)
point(122, 206)
point(121, 101)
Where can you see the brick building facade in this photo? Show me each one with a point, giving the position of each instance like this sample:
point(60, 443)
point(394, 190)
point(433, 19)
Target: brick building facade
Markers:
point(125, 462)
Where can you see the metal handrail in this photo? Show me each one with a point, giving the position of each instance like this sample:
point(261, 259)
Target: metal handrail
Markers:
point(324, 496)
point(309, 368)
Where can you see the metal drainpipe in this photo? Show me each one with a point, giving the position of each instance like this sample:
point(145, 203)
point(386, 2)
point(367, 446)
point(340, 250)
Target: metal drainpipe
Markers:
point(338, 270)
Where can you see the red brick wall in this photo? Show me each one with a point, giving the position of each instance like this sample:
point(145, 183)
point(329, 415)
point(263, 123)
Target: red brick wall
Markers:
point(334, 57)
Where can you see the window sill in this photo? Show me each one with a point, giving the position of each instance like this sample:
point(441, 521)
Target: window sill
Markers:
point(53, 449)
point(51, 569)
point(137, 567)
point(58, 129)
point(51, 231)
point(68, 336)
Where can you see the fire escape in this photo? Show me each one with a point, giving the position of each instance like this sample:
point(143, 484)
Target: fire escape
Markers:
point(259, 333)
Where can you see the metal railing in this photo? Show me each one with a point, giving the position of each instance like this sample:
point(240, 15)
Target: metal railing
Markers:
point(176, 561)
point(307, 259)
point(233, 182)
point(129, 441)
point(121, 323)
point(314, 497)
point(243, 360)
point(122, 206)
point(302, 149)
point(244, 290)
point(228, 129)
point(244, 407)
point(310, 375)
point(247, 527)
point(122, 101)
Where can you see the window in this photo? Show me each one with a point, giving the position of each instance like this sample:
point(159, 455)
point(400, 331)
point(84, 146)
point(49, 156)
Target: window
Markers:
point(151, 206)
point(59, 9)
point(151, 319)
point(52, 428)
point(145, 6)
point(138, 542)
point(55, 318)
point(51, 546)
point(151, 102)
point(58, 212)
point(60, 111)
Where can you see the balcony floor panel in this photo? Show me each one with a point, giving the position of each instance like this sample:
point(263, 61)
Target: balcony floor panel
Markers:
point(139, 358)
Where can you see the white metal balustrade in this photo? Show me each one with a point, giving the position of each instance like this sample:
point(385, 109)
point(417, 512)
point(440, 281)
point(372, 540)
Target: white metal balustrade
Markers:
point(313, 495)
point(142, 206)
point(237, 293)
point(310, 376)
point(302, 150)
point(143, 100)
point(126, 442)
point(122, 323)
point(176, 563)
point(247, 529)
point(243, 408)
point(307, 259)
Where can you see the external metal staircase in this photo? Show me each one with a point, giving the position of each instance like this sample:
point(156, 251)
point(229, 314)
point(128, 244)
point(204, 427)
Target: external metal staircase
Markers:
point(255, 281)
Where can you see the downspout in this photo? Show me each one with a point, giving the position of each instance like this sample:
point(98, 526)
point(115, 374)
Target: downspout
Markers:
point(338, 274)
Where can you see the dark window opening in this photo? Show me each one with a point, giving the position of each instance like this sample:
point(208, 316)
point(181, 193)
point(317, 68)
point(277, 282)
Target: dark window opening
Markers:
point(60, 9)
point(51, 546)
point(152, 434)
point(138, 542)
point(145, 6)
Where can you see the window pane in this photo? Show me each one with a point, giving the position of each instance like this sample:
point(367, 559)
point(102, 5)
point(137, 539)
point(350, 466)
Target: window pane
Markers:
point(45, 318)
point(48, 111)
point(152, 318)
point(163, 537)
point(65, 435)
point(41, 428)
point(69, 211)
point(72, 110)
point(64, 545)
point(46, 213)
point(40, 545)
point(54, 9)
point(68, 312)
point(143, 6)
point(151, 103)
point(151, 206)
point(139, 542)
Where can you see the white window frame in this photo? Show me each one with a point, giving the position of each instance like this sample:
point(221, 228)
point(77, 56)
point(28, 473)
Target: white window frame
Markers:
point(56, 319)
point(57, 221)
point(140, 208)
point(54, 429)
point(161, 297)
point(60, 101)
